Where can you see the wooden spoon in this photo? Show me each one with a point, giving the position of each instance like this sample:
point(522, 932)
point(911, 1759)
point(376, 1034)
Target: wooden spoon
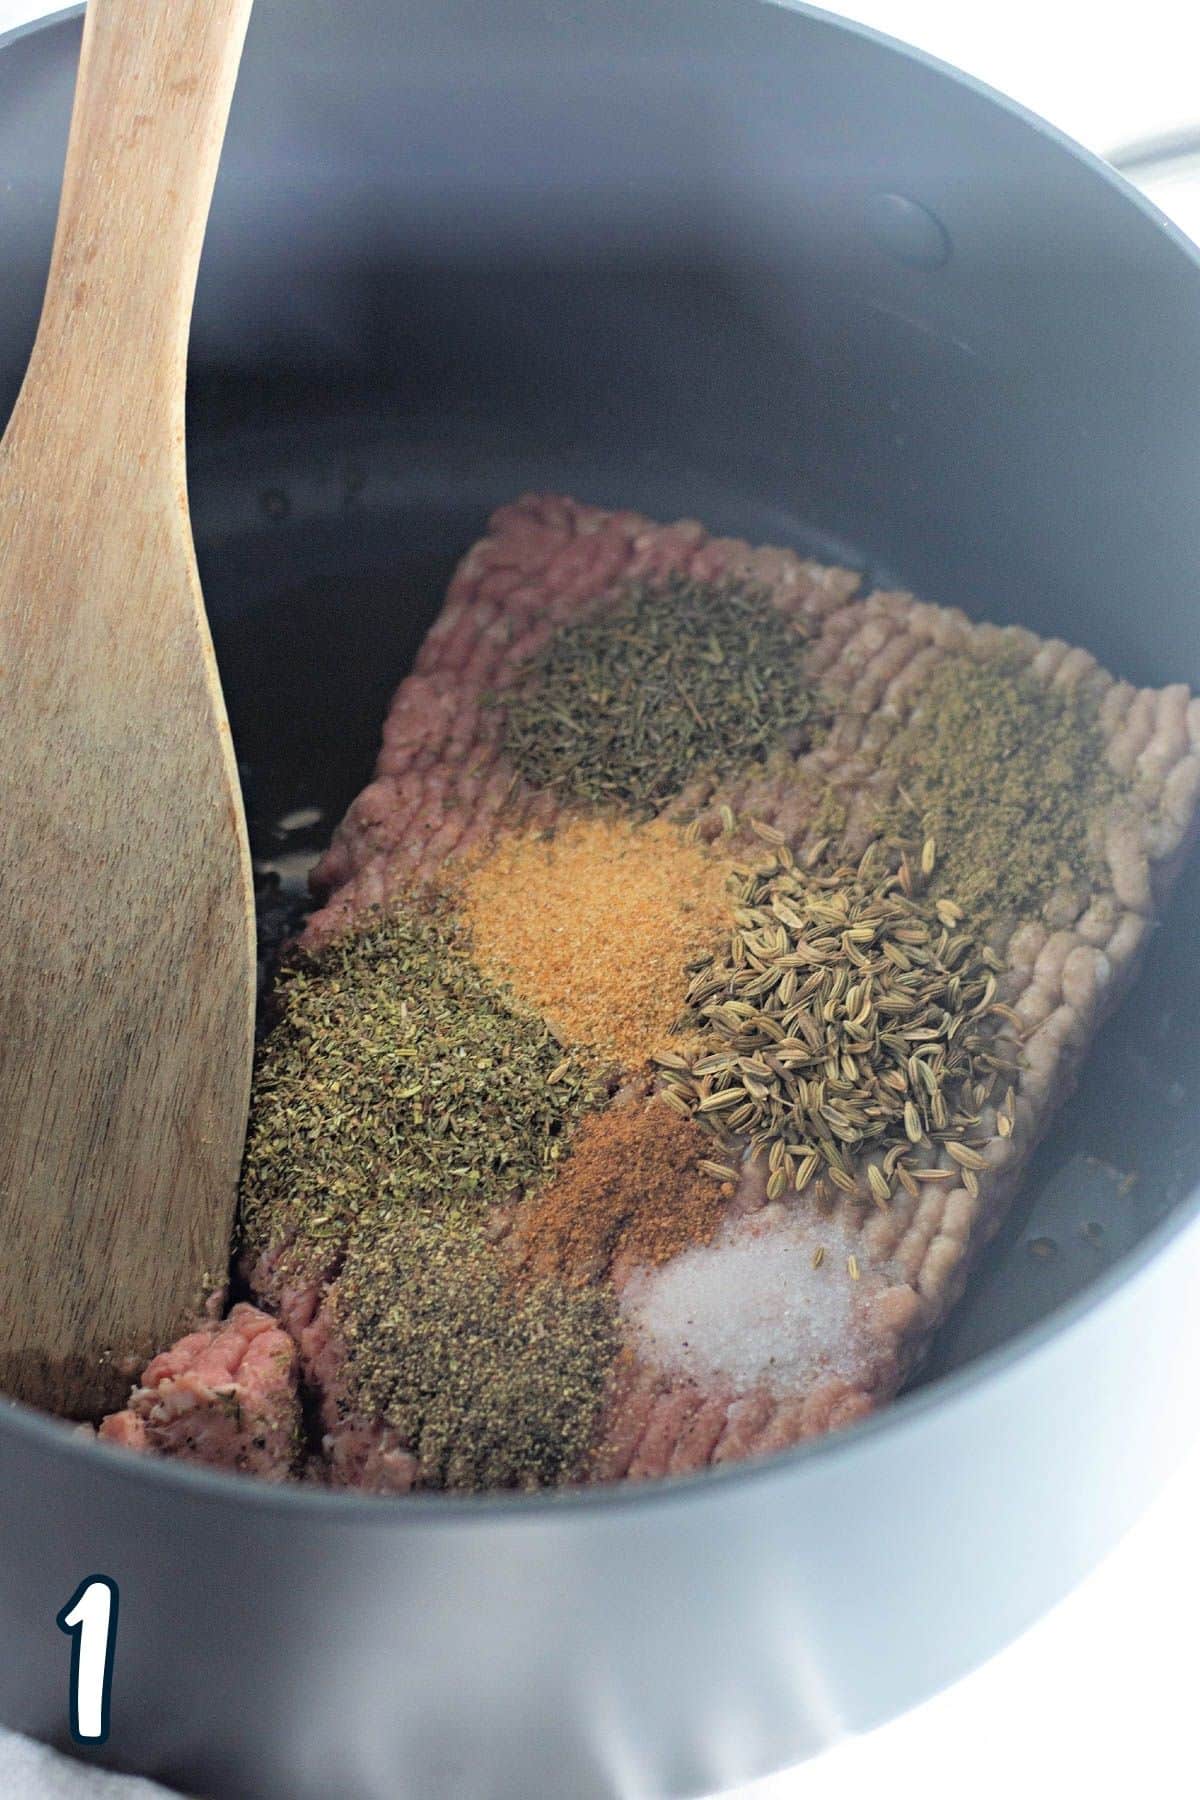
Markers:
point(126, 907)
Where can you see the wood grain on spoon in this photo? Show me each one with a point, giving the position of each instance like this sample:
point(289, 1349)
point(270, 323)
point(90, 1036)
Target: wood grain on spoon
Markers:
point(126, 909)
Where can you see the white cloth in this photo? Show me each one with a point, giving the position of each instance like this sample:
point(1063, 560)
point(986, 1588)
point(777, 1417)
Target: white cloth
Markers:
point(29, 1771)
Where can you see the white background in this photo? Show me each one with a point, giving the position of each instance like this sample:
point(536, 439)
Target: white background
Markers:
point(1100, 1697)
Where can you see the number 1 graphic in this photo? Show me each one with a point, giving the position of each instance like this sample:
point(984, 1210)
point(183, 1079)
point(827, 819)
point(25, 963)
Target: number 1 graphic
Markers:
point(90, 1620)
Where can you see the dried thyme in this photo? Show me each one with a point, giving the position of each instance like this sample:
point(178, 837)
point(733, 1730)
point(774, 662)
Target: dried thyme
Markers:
point(629, 703)
point(1006, 774)
point(845, 1018)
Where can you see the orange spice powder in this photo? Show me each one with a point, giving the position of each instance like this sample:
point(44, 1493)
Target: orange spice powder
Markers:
point(633, 1187)
point(593, 924)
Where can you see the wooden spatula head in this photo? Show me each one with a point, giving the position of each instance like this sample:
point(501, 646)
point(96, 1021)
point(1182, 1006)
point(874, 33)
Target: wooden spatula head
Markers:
point(126, 907)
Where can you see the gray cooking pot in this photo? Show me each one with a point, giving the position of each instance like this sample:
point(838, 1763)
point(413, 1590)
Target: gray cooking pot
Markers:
point(713, 257)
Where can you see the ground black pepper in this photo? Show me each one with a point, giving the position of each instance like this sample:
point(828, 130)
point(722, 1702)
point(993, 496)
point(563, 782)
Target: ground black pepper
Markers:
point(492, 1385)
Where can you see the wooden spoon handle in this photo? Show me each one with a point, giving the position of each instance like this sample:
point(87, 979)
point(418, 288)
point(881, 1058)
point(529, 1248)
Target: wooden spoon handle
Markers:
point(155, 82)
point(126, 908)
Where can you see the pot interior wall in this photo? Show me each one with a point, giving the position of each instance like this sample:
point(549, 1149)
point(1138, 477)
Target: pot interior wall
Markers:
point(640, 254)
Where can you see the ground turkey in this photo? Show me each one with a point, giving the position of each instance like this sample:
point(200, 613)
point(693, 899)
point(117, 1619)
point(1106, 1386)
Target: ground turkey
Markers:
point(225, 1395)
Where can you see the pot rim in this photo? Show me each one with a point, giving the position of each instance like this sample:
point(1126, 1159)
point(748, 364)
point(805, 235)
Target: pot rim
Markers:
point(983, 1372)
point(975, 1377)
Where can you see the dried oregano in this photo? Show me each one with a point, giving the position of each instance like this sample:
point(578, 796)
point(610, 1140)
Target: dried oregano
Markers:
point(629, 703)
point(1007, 773)
point(394, 1064)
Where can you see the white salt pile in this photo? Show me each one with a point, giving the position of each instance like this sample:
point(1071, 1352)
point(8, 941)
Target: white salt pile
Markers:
point(751, 1307)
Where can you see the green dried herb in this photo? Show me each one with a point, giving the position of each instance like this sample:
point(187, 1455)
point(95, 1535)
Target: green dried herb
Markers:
point(629, 703)
point(394, 1067)
point(1007, 774)
point(398, 1097)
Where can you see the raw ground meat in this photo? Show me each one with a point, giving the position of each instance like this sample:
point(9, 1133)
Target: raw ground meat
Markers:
point(442, 786)
point(225, 1395)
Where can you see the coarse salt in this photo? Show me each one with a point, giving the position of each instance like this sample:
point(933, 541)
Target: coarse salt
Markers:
point(750, 1308)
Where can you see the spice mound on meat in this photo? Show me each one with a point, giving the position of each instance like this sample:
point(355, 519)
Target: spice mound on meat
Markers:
point(667, 679)
point(846, 1027)
point(396, 1075)
point(569, 1162)
point(637, 1189)
point(994, 758)
point(399, 1101)
point(592, 924)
